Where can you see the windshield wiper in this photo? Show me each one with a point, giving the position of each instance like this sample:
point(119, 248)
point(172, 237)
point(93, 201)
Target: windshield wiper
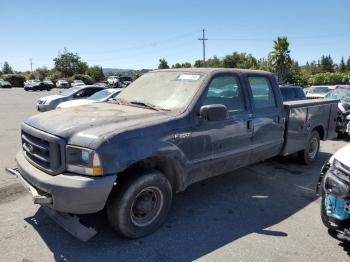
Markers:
point(148, 105)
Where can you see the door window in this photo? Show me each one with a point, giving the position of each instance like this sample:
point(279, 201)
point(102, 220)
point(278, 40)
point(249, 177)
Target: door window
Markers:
point(263, 94)
point(225, 90)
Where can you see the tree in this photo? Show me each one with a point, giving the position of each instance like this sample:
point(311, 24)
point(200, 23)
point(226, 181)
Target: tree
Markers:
point(326, 64)
point(198, 63)
point(295, 75)
point(41, 73)
point(280, 60)
point(69, 64)
point(214, 62)
point(342, 66)
point(348, 64)
point(183, 65)
point(136, 75)
point(96, 73)
point(163, 64)
point(6, 68)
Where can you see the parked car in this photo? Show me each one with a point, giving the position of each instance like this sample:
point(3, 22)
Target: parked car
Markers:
point(112, 80)
point(49, 83)
point(5, 84)
point(119, 81)
point(318, 91)
point(306, 90)
point(31, 81)
point(334, 188)
point(38, 86)
point(100, 96)
point(343, 95)
point(77, 83)
point(290, 93)
point(167, 130)
point(77, 92)
point(101, 84)
point(124, 81)
point(62, 84)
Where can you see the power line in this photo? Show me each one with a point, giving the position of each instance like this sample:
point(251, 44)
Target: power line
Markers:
point(203, 39)
point(146, 45)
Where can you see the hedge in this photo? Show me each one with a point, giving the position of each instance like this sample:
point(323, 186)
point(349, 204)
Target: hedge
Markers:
point(329, 79)
point(16, 80)
point(85, 78)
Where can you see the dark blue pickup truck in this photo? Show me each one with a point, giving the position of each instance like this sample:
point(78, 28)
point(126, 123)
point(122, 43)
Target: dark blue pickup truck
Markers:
point(167, 130)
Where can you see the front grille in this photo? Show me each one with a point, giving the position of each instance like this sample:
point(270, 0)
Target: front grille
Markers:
point(43, 150)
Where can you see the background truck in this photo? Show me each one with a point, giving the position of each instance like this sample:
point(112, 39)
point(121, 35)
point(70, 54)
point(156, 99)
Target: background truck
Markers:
point(167, 130)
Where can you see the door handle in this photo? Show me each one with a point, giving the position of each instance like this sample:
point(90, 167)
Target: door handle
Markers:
point(250, 124)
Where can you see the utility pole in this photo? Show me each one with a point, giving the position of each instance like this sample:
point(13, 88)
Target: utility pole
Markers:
point(31, 64)
point(203, 39)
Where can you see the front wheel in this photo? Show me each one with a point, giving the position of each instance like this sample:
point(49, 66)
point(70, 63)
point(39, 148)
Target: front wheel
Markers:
point(140, 204)
point(312, 147)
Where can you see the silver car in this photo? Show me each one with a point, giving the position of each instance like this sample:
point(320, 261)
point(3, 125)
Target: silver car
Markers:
point(78, 92)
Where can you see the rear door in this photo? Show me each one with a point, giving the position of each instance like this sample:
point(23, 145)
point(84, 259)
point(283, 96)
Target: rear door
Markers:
point(267, 118)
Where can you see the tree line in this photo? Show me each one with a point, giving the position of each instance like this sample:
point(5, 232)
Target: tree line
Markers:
point(279, 61)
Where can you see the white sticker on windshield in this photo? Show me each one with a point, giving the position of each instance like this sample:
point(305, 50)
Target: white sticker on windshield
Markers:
point(189, 77)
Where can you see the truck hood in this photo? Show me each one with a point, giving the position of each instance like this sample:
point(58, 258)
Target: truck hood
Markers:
point(77, 102)
point(86, 125)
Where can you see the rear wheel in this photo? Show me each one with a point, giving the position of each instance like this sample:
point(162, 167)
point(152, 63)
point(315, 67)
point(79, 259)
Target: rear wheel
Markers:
point(140, 204)
point(309, 154)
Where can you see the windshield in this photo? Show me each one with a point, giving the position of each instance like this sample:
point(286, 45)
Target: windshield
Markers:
point(70, 91)
point(101, 95)
point(125, 78)
point(319, 89)
point(163, 90)
point(341, 94)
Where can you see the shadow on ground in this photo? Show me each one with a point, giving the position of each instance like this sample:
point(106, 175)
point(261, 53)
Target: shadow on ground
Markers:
point(207, 216)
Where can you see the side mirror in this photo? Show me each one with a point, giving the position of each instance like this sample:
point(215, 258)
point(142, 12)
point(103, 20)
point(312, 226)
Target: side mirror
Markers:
point(214, 112)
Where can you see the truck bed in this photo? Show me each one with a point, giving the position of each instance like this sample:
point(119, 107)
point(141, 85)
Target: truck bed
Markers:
point(303, 116)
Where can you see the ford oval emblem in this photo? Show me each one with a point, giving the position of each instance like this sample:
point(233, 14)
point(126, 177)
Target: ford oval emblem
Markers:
point(30, 147)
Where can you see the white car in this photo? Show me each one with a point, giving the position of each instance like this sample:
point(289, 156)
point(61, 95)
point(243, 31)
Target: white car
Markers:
point(101, 96)
point(319, 91)
point(112, 80)
point(33, 81)
point(77, 83)
point(62, 84)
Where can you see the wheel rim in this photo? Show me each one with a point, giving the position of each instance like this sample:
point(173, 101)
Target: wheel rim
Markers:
point(313, 148)
point(146, 206)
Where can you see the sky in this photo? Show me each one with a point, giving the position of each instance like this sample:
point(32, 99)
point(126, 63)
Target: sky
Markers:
point(136, 34)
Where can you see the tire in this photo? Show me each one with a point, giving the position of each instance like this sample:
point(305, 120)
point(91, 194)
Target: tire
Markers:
point(140, 204)
point(310, 153)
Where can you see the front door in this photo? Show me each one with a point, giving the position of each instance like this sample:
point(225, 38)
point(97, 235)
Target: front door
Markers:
point(227, 143)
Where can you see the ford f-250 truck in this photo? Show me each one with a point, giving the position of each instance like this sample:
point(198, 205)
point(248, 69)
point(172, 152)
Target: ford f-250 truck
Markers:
point(167, 130)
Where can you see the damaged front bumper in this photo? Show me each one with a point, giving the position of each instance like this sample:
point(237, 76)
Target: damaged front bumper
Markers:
point(335, 185)
point(38, 198)
point(66, 192)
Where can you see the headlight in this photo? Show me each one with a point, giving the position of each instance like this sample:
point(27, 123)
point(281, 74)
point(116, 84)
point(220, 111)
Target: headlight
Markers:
point(83, 161)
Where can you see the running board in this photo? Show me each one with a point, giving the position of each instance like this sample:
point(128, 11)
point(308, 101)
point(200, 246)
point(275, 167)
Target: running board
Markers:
point(71, 224)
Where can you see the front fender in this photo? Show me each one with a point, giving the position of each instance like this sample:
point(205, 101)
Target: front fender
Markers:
point(118, 156)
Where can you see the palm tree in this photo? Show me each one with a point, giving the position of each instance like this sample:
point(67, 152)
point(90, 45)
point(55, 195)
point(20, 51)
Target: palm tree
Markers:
point(279, 58)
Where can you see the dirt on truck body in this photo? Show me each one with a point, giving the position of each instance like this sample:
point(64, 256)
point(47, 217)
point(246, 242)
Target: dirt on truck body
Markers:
point(165, 131)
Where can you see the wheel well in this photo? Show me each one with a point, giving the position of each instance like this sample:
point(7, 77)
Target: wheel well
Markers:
point(320, 131)
point(169, 167)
